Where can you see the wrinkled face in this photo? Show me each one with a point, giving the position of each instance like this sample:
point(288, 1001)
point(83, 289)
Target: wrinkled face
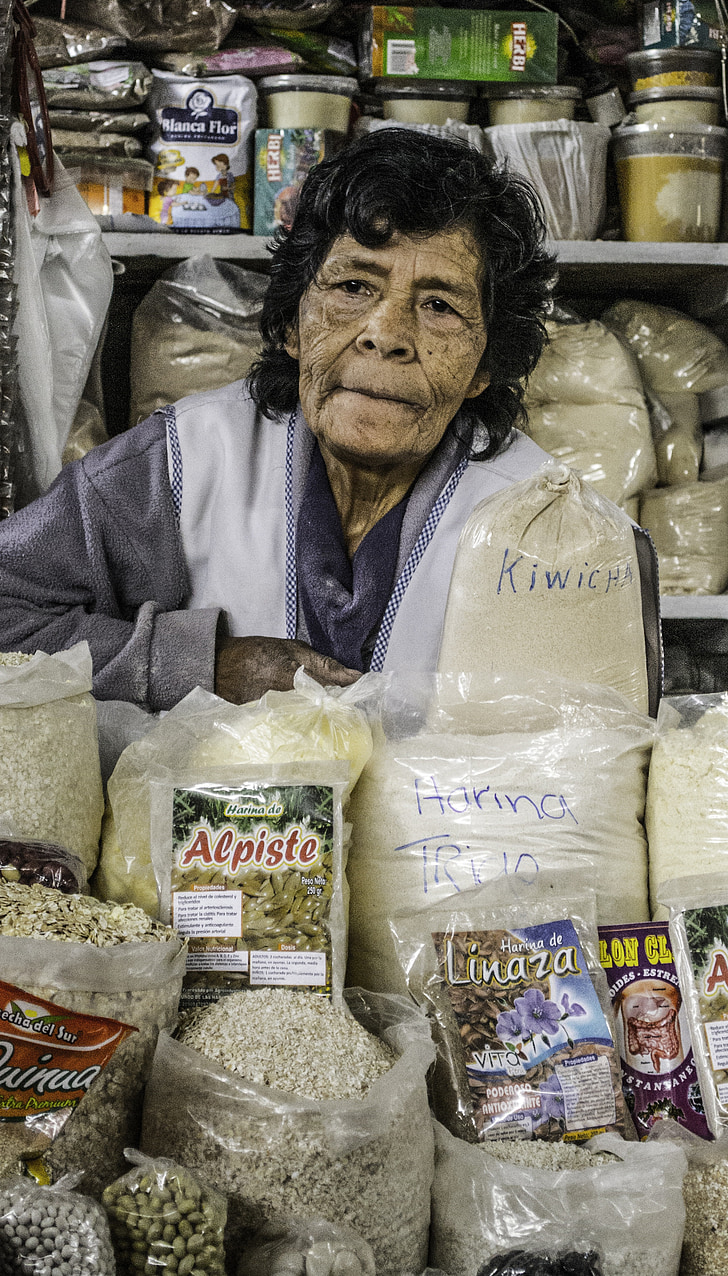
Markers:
point(389, 343)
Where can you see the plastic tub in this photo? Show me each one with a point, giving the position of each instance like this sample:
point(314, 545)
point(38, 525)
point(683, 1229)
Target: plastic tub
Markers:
point(670, 181)
point(530, 104)
point(663, 68)
point(428, 102)
point(308, 101)
point(681, 104)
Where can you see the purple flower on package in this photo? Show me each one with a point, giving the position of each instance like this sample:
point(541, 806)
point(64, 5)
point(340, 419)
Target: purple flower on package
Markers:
point(552, 1099)
point(572, 1007)
point(508, 1026)
point(537, 1014)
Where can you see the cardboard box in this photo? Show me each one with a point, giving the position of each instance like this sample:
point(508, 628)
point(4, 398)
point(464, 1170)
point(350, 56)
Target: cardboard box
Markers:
point(669, 24)
point(459, 44)
point(283, 157)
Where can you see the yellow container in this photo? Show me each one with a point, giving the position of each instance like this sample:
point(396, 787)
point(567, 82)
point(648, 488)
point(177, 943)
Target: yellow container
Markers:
point(672, 68)
point(670, 181)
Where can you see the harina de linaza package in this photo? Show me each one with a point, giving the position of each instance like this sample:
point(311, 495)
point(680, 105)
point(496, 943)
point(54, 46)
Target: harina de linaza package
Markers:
point(202, 151)
point(659, 1077)
point(250, 866)
point(509, 973)
point(49, 1059)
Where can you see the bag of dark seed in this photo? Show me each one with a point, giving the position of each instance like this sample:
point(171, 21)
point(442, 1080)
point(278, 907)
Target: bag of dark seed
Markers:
point(509, 973)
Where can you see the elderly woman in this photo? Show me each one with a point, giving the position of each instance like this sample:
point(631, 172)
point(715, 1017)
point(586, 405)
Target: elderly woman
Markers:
point(310, 515)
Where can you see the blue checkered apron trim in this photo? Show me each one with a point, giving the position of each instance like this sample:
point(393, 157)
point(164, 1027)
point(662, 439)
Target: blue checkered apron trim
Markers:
point(423, 540)
point(170, 418)
point(291, 581)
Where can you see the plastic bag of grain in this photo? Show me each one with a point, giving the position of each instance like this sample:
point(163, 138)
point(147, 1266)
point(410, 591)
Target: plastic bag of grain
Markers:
point(50, 775)
point(284, 1246)
point(686, 814)
point(471, 778)
point(308, 724)
point(546, 577)
point(705, 1193)
point(196, 329)
point(675, 352)
point(689, 527)
point(291, 1105)
point(38, 1222)
point(609, 441)
point(620, 1201)
point(100, 959)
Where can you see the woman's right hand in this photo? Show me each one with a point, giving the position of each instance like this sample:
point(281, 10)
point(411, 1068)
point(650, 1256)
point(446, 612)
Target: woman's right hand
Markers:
point(245, 668)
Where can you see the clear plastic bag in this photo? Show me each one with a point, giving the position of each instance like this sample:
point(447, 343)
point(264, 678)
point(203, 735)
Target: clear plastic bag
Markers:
point(161, 1211)
point(472, 778)
point(686, 812)
point(61, 43)
point(23, 860)
point(31, 1215)
point(546, 577)
point(675, 352)
point(509, 973)
point(628, 1209)
point(196, 329)
point(566, 161)
point(315, 1247)
point(689, 527)
point(363, 1162)
point(50, 775)
point(705, 1192)
point(98, 85)
point(159, 24)
point(679, 445)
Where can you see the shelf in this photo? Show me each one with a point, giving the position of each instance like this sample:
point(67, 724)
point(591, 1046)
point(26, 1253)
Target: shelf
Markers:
point(694, 607)
point(162, 243)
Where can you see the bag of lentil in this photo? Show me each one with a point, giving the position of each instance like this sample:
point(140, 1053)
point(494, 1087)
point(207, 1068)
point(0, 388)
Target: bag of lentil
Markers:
point(50, 774)
point(256, 1110)
point(471, 778)
point(622, 1201)
point(546, 578)
point(52, 1231)
point(510, 976)
point(161, 1212)
point(109, 960)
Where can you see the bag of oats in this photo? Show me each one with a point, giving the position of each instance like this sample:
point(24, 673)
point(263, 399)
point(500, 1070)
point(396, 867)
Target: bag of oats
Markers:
point(50, 774)
point(546, 577)
point(202, 152)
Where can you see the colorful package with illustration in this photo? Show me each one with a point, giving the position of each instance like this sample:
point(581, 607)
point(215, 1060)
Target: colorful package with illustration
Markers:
point(201, 149)
point(659, 1078)
point(283, 157)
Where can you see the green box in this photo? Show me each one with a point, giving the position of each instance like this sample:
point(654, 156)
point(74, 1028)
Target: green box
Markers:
point(459, 44)
point(283, 157)
point(669, 24)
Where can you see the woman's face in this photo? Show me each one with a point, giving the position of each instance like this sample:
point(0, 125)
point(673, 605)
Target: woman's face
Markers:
point(389, 343)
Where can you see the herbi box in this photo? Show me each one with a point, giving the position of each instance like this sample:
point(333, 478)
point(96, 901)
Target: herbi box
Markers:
point(458, 44)
point(283, 157)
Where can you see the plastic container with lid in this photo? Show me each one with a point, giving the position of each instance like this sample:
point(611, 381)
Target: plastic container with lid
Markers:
point(426, 102)
point(530, 103)
point(670, 181)
point(677, 104)
point(670, 68)
point(308, 101)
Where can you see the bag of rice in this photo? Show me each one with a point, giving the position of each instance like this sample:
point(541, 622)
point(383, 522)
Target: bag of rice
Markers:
point(546, 577)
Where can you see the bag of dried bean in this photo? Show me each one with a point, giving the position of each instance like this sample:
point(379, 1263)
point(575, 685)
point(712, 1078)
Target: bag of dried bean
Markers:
point(52, 1229)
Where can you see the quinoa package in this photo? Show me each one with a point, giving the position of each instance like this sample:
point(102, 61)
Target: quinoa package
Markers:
point(471, 778)
point(196, 329)
point(46, 1231)
point(686, 813)
point(621, 1202)
point(699, 937)
point(204, 733)
point(50, 774)
point(689, 526)
point(546, 577)
point(364, 1159)
point(509, 973)
point(202, 151)
point(167, 1217)
point(103, 960)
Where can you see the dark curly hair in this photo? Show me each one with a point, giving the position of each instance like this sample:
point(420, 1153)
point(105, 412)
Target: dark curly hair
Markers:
point(399, 180)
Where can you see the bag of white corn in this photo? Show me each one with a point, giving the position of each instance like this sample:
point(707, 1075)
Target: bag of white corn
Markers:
point(99, 959)
point(196, 329)
point(546, 577)
point(621, 1203)
point(471, 778)
point(308, 724)
point(50, 775)
point(675, 352)
point(686, 813)
point(689, 527)
point(610, 443)
point(291, 1105)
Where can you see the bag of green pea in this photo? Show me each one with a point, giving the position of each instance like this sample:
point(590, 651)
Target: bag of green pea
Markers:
point(160, 1215)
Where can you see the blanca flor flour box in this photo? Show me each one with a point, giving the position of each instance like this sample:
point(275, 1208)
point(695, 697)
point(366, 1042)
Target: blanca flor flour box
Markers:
point(459, 44)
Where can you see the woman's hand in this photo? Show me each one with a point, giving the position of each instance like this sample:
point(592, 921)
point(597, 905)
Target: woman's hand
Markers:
point(245, 668)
